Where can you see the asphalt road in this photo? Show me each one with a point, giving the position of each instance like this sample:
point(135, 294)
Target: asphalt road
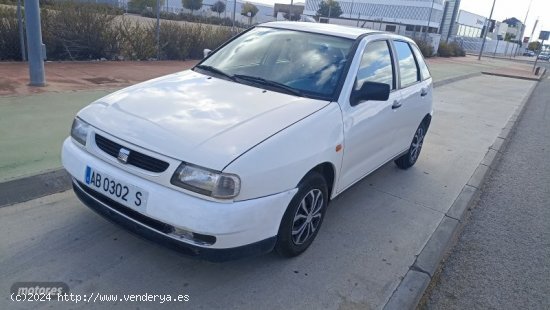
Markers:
point(369, 239)
point(502, 258)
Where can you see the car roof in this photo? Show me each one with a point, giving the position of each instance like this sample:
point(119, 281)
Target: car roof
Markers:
point(330, 29)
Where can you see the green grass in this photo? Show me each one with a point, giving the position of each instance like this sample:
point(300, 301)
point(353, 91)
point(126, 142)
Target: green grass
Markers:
point(32, 129)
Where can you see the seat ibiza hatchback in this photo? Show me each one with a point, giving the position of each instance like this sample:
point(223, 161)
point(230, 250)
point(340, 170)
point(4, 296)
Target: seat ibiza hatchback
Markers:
point(241, 154)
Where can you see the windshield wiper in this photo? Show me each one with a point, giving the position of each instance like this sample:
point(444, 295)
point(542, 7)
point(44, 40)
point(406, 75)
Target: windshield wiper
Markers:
point(262, 81)
point(215, 71)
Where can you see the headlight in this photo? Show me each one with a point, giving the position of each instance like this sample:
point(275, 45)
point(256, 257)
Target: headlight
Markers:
point(79, 131)
point(207, 182)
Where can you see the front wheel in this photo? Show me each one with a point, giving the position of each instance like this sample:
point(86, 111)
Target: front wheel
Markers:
point(409, 159)
point(303, 217)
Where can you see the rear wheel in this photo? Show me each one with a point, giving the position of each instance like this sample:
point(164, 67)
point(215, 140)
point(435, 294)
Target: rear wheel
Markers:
point(303, 217)
point(409, 159)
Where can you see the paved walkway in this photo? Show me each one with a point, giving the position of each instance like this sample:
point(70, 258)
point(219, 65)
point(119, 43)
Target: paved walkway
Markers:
point(32, 126)
point(84, 75)
point(502, 259)
point(72, 76)
point(444, 68)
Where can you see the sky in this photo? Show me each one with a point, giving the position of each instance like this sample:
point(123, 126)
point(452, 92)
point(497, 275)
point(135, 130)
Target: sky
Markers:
point(503, 9)
point(513, 8)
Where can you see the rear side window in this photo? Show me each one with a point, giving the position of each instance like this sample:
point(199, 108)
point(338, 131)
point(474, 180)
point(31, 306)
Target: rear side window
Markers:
point(376, 65)
point(421, 63)
point(408, 69)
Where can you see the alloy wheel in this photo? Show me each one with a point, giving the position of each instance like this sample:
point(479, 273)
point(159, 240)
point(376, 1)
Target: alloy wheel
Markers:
point(308, 216)
point(416, 145)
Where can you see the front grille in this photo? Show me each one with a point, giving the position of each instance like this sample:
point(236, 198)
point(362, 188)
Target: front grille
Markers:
point(135, 158)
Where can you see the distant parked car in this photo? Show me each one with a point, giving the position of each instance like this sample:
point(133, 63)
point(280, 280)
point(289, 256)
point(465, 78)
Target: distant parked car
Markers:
point(307, 19)
point(241, 154)
point(544, 56)
point(529, 53)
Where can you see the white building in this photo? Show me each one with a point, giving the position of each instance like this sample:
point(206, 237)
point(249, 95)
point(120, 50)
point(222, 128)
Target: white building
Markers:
point(469, 25)
point(389, 14)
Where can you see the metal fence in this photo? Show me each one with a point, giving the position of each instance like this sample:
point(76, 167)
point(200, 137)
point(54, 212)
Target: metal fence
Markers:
point(110, 34)
point(499, 48)
point(11, 34)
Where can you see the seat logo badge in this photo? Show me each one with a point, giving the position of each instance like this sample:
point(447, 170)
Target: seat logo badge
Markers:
point(123, 155)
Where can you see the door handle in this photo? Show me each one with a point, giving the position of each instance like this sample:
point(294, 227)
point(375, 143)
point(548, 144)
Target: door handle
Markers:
point(424, 92)
point(396, 105)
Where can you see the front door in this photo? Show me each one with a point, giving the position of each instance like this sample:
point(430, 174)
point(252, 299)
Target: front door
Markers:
point(369, 126)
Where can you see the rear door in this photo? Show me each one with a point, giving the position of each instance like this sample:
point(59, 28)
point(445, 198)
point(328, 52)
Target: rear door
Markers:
point(415, 94)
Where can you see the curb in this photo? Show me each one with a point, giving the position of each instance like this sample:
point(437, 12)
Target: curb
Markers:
point(536, 79)
point(35, 186)
point(411, 289)
point(455, 79)
point(40, 185)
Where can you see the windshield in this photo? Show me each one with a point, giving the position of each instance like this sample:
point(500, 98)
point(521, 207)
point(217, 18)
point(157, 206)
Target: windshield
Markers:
point(310, 64)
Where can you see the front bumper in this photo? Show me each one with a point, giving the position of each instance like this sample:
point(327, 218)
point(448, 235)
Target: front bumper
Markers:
point(134, 223)
point(252, 223)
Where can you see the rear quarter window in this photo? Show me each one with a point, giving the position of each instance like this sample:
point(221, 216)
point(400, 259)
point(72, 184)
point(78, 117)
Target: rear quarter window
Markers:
point(424, 70)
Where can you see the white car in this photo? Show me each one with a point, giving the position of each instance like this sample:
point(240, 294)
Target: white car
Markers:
point(241, 154)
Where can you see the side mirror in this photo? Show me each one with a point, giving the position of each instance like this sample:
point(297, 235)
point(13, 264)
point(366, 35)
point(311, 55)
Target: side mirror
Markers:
point(370, 91)
point(206, 52)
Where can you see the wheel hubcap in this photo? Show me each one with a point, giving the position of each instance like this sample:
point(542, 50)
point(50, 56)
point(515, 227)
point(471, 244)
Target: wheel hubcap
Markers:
point(307, 217)
point(416, 145)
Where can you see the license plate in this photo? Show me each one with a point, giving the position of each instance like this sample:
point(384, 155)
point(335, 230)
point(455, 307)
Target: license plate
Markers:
point(121, 192)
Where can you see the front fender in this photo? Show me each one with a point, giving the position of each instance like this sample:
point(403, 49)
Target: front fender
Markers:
point(281, 161)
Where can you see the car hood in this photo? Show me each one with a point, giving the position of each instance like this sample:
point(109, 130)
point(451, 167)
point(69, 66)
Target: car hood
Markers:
point(197, 118)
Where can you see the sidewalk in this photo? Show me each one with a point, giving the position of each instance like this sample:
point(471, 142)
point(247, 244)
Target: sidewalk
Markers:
point(84, 75)
point(73, 76)
point(444, 68)
point(33, 126)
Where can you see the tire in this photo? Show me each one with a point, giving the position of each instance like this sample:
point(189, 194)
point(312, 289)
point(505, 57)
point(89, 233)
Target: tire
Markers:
point(303, 217)
point(409, 159)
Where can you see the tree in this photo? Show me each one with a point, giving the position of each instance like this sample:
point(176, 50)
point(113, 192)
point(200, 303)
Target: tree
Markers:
point(534, 46)
point(218, 7)
point(192, 4)
point(250, 10)
point(509, 37)
point(329, 5)
point(140, 5)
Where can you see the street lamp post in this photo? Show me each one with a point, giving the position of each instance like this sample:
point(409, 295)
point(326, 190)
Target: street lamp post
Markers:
point(486, 30)
point(429, 20)
point(21, 31)
point(525, 22)
point(36, 50)
point(158, 29)
point(234, 9)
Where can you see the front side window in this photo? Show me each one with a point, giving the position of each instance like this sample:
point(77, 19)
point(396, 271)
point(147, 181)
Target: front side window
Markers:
point(408, 69)
point(309, 63)
point(376, 65)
